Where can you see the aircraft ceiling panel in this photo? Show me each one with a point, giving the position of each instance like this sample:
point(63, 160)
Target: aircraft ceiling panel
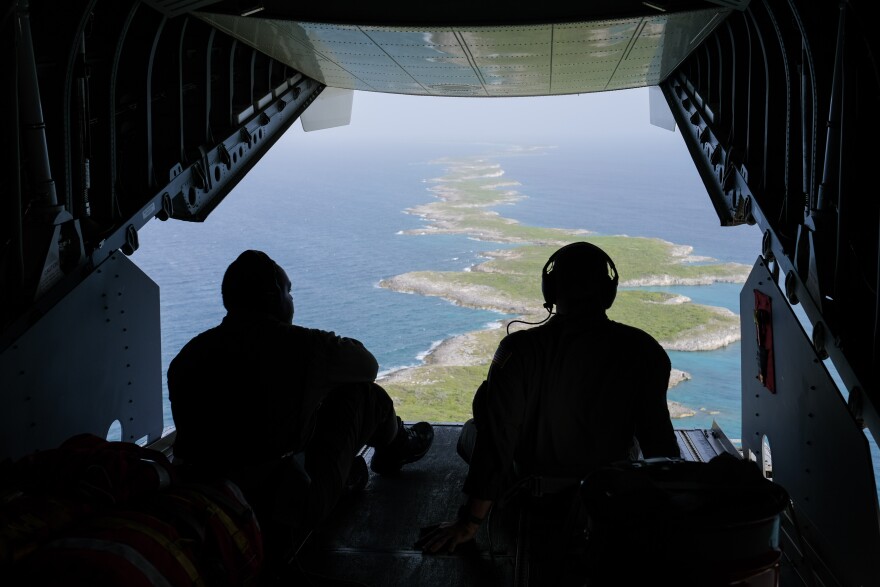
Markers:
point(470, 81)
point(621, 82)
point(515, 60)
point(439, 63)
point(377, 71)
point(595, 31)
point(508, 42)
point(523, 58)
point(405, 41)
point(588, 59)
point(414, 88)
point(330, 39)
point(346, 81)
point(433, 79)
point(518, 80)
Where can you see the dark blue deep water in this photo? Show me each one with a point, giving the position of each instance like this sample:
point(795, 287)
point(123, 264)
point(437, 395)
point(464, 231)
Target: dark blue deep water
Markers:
point(333, 216)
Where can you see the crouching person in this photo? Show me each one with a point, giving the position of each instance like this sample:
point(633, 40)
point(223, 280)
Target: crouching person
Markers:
point(283, 410)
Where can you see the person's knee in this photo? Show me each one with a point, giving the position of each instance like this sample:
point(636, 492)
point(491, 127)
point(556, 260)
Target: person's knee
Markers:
point(379, 397)
point(362, 412)
point(366, 398)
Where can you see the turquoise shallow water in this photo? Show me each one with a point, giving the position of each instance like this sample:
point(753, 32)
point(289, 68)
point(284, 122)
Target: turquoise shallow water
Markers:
point(337, 231)
point(639, 191)
point(333, 218)
point(713, 391)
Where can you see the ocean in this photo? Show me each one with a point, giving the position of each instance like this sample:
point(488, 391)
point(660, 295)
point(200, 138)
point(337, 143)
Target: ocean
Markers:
point(333, 214)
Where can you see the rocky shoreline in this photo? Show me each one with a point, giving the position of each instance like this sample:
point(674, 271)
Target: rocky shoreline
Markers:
point(466, 350)
point(463, 205)
point(701, 338)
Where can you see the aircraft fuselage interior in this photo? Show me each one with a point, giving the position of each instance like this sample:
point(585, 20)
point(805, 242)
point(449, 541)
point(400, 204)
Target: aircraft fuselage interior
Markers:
point(125, 112)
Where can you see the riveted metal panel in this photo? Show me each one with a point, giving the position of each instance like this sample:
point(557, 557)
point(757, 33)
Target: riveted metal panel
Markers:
point(819, 453)
point(517, 60)
point(105, 336)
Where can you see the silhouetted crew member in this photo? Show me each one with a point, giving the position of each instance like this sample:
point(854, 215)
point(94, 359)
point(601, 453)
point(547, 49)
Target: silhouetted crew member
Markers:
point(251, 396)
point(562, 398)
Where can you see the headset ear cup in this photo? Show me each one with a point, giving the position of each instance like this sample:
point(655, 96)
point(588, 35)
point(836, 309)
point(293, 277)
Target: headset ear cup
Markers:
point(611, 292)
point(548, 287)
point(547, 291)
point(607, 291)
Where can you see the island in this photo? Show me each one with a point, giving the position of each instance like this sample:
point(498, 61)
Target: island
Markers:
point(465, 200)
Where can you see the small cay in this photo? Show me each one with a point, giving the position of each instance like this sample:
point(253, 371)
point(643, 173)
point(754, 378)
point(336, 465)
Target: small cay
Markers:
point(508, 282)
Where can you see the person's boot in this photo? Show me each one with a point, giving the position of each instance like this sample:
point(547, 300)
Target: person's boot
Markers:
point(410, 444)
point(358, 477)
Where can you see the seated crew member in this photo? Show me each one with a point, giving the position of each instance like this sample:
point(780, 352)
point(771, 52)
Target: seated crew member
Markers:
point(257, 399)
point(562, 398)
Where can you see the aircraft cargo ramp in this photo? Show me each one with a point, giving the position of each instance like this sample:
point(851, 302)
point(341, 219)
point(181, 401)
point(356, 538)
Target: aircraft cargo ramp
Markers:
point(371, 536)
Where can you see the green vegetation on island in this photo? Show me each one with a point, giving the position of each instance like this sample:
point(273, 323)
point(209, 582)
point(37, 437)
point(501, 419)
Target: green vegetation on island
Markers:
point(509, 282)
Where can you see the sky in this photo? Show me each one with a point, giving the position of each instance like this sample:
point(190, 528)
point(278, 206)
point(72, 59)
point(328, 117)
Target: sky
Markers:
point(613, 115)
